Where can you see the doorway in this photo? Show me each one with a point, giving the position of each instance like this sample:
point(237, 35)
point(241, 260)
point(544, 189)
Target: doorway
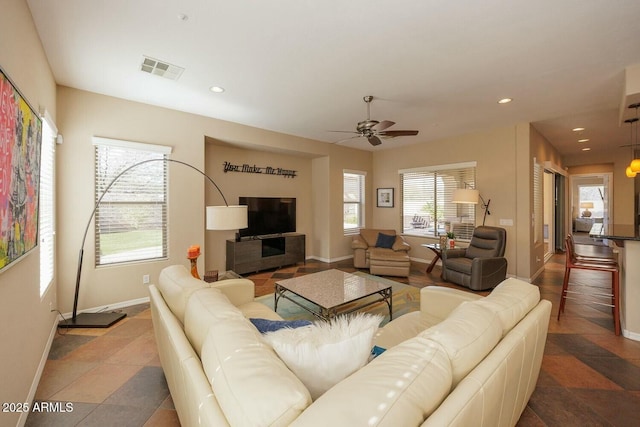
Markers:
point(549, 216)
point(590, 202)
point(554, 212)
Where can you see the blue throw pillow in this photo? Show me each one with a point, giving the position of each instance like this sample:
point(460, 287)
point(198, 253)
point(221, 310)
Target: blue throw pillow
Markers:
point(377, 351)
point(385, 241)
point(266, 325)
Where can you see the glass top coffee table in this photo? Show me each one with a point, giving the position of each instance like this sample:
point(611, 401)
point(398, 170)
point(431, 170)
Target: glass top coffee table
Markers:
point(333, 292)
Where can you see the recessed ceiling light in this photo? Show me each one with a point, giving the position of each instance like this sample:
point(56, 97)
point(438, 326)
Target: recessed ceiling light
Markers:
point(577, 129)
point(505, 100)
point(586, 149)
point(216, 89)
point(583, 140)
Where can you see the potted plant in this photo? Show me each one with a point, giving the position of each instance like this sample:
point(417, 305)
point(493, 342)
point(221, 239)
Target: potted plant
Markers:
point(451, 237)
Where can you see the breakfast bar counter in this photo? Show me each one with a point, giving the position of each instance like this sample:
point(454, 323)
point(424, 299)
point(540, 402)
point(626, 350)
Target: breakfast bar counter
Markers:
point(627, 241)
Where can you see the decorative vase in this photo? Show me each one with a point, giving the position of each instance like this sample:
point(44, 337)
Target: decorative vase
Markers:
point(452, 243)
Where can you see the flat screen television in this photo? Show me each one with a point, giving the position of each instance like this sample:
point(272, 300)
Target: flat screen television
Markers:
point(269, 215)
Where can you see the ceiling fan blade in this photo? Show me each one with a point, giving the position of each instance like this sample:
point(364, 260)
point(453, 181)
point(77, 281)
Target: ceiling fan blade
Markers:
point(393, 133)
point(374, 140)
point(343, 131)
point(383, 125)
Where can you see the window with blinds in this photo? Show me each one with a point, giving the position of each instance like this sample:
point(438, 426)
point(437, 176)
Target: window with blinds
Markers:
point(353, 190)
point(46, 208)
point(426, 194)
point(537, 202)
point(131, 219)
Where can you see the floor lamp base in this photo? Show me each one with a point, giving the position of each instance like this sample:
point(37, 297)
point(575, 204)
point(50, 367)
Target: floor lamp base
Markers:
point(92, 320)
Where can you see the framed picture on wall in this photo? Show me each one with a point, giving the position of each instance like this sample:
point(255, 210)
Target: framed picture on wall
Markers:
point(20, 138)
point(385, 198)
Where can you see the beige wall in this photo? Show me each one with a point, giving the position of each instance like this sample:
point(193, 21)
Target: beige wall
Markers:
point(624, 190)
point(84, 114)
point(542, 151)
point(256, 185)
point(27, 322)
point(497, 178)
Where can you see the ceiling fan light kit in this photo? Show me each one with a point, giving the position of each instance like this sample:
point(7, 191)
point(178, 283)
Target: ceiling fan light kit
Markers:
point(374, 130)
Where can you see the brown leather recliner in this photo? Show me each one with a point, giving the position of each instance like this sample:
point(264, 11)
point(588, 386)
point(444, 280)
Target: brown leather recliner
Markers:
point(382, 261)
point(480, 266)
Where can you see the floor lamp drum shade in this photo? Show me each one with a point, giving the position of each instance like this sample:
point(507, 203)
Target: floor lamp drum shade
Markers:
point(465, 195)
point(226, 217)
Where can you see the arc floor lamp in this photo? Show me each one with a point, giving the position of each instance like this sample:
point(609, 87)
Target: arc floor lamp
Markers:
point(218, 218)
point(471, 195)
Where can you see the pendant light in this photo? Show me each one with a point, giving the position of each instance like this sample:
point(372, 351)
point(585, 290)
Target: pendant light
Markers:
point(628, 171)
point(634, 166)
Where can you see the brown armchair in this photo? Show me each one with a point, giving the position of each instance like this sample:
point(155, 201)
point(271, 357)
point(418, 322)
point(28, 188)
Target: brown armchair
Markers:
point(480, 266)
point(386, 256)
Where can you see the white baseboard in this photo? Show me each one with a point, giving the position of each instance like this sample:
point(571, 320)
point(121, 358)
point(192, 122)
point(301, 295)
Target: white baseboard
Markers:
point(330, 260)
point(631, 335)
point(36, 379)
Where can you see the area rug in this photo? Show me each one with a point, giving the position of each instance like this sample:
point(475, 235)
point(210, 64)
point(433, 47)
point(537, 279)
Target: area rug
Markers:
point(405, 300)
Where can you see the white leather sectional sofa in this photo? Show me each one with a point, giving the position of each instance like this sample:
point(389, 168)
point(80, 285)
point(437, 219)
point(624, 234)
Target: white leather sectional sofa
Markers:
point(461, 360)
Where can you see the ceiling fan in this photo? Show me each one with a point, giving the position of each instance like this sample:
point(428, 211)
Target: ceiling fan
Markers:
point(373, 130)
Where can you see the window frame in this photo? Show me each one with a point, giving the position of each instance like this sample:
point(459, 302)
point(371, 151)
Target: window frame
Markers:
point(426, 209)
point(359, 203)
point(47, 204)
point(126, 154)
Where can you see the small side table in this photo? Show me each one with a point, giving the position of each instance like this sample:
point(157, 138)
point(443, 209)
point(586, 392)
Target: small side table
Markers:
point(436, 249)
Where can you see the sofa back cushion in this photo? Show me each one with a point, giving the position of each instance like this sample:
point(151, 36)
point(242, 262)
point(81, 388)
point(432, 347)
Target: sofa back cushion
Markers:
point(370, 235)
point(204, 308)
point(252, 385)
point(511, 300)
point(468, 334)
point(401, 387)
point(176, 285)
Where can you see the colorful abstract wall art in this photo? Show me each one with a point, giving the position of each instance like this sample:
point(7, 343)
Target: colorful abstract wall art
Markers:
point(20, 142)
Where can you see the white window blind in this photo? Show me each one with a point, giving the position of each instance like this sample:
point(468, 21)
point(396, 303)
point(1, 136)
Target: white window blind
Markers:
point(47, 207)
point(353, 190)
point(427, 209)
point(131, 219)
point(537, 202)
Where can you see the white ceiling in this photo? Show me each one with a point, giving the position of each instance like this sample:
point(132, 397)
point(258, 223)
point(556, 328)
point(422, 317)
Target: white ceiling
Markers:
point(301, 67)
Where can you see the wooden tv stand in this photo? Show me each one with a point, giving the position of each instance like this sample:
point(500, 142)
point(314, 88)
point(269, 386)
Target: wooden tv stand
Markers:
point(262, 253)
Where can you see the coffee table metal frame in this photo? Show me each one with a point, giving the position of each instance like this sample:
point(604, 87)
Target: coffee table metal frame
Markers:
point(327, 313)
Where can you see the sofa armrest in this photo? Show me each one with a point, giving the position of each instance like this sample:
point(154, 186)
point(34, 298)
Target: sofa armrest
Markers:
point(439, 301)
point(453, 253)
point(239, 291)
point(488, 271)
point(401, 245)
point(358, 243)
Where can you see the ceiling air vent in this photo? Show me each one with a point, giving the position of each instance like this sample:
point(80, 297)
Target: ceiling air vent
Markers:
point(160, 68)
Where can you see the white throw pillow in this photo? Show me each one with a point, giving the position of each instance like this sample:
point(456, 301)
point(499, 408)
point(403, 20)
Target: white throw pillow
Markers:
point(325, 353)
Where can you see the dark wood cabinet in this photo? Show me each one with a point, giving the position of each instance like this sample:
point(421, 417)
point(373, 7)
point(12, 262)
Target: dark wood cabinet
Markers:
point(251, 255)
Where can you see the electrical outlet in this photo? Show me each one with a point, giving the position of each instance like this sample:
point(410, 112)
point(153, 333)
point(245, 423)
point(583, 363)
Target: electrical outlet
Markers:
point(145, 279)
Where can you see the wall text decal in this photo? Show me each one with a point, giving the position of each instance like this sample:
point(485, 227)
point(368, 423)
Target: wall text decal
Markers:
point(267, 170)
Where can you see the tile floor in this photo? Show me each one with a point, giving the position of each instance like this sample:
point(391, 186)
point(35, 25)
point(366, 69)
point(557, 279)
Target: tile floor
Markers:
point(113, 376)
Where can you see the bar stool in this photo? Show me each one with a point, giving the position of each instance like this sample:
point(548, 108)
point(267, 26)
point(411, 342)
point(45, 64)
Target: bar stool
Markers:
point(595, 264)
point(581, 257)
